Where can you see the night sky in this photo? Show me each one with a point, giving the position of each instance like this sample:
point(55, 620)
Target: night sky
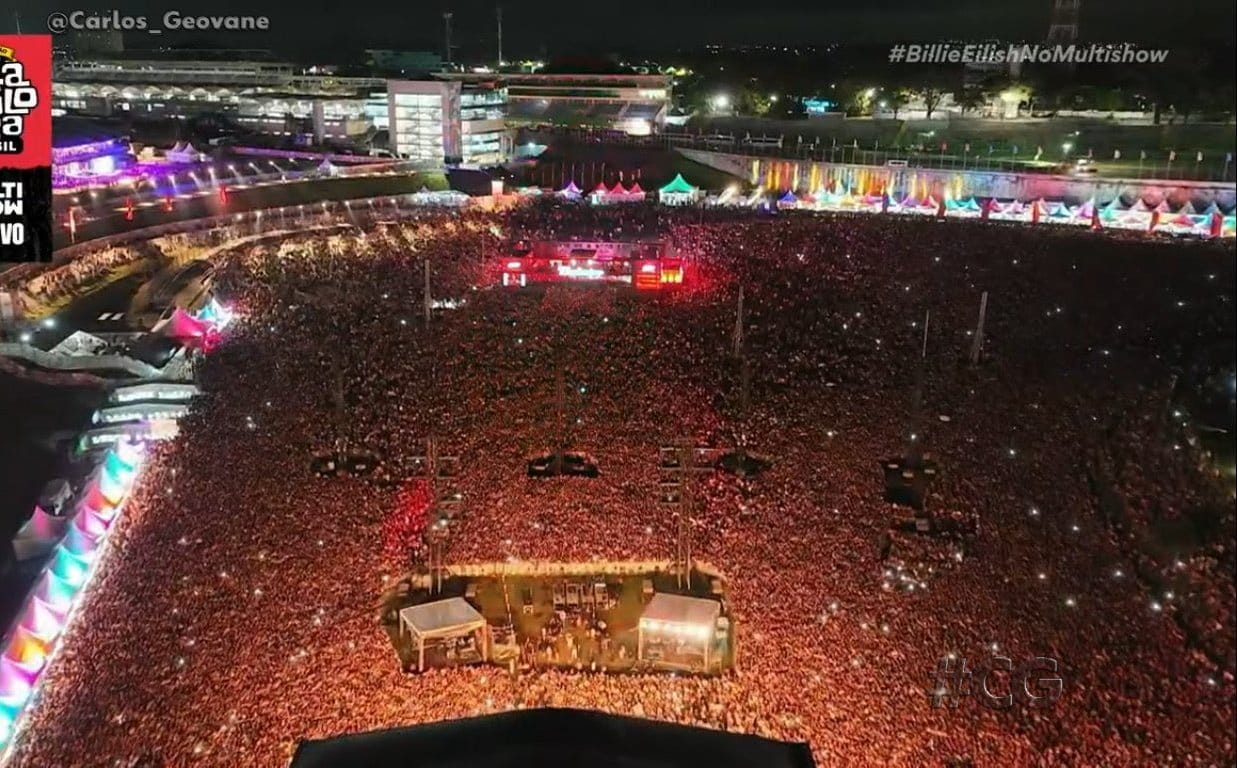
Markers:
point(556, 27)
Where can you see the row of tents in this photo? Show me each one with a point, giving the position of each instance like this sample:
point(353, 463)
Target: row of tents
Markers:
point(68, 530)
point(677, 192)
point(76, 540)
point(1208, 221)
point(1186, 220)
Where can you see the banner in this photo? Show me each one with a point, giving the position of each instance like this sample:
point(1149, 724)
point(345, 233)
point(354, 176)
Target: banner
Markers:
point(25, 148)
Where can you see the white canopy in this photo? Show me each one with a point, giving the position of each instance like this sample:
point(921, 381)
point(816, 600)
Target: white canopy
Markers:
point(442, 618)
point(692, 620)
point(681, 611)
point(452, 617)
point(79, 343)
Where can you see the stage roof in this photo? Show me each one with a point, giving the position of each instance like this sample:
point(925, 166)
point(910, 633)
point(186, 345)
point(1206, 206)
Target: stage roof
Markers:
point(677, 609)
point(551, 738)
point(441, 617)
point(71, 130)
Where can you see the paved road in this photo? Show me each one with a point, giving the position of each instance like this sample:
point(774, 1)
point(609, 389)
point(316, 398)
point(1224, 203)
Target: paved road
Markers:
point(102, 311)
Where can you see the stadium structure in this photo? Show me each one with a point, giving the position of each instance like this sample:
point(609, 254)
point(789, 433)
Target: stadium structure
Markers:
point(632, 103)
point(279, 98)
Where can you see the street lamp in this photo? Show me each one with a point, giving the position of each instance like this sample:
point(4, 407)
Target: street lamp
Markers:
point(720, 102)
point(1066, 147)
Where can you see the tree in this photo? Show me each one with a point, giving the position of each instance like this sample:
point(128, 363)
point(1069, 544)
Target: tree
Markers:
point(930, 86)
point(970, 99)
point(1109, 99)
point(754, 102)
point(895, 99)
point(931, 98)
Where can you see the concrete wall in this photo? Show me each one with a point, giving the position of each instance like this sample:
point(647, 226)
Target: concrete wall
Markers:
point(802, 175)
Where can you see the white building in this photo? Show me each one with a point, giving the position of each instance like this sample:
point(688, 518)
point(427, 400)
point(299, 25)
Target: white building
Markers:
point(448, 122)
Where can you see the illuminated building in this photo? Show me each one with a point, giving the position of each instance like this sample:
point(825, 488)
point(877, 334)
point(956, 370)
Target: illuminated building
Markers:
point(449, 122)
point(261, 96)
point(83, 152)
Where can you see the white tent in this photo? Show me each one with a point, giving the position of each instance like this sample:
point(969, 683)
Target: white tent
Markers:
point(692, 620)
point(440, 620)
point(184, 153)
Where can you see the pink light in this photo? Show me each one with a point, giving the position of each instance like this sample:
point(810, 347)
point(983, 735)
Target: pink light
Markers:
point(14, 689)
point(92, 525)
point(41, 621)
point(649, 269)
point(514, 265)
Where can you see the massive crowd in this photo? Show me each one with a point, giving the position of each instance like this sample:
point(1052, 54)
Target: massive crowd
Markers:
point(237, 613)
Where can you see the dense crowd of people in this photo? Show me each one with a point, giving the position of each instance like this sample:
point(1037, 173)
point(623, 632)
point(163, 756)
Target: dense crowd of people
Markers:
point(236, 614)
point(46, 286)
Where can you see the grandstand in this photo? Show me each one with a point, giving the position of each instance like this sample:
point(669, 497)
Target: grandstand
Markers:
point(635, 104)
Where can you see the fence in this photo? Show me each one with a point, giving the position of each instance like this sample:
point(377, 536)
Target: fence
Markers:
point(1000, 157)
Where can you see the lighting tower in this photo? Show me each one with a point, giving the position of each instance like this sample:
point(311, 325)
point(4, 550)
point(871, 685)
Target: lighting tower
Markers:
point(1063, 28)
point(446, 23)
point(679, 464)
point(441, 472)
point(498, 13)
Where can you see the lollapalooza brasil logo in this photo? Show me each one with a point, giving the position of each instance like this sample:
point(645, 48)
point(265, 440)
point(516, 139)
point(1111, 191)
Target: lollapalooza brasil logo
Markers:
point(18, 98)
point(25, 148)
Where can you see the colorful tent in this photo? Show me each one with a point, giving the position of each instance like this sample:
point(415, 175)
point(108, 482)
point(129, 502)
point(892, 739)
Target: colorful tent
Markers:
point(182, 325)
point(678, 186)
point(571, 190)
point(214, 315)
